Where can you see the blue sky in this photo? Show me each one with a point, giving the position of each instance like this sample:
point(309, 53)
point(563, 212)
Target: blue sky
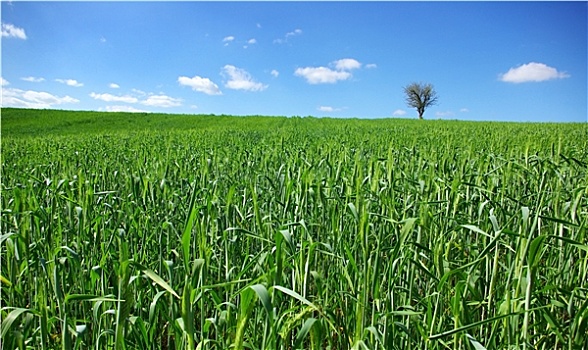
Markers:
point(511, 61)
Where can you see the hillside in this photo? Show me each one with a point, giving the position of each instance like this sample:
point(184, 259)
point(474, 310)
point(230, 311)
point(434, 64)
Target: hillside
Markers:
point(171, 232)
point(35, 122)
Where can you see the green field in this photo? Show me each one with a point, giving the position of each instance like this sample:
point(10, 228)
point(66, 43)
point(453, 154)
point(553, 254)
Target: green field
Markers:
point(150, 231)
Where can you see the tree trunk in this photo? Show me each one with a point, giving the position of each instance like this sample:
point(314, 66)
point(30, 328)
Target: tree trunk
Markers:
point(421, 114)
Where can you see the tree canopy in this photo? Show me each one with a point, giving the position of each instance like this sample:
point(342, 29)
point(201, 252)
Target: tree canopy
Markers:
point(420, 96)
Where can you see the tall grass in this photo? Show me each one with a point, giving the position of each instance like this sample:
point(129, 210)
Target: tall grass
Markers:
point(302, 233)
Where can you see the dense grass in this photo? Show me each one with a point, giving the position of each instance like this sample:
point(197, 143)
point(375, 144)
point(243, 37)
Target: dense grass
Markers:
point(27, 122)
point(213, 232)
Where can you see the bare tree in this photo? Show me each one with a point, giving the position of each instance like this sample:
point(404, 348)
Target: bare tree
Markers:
point(420, 96)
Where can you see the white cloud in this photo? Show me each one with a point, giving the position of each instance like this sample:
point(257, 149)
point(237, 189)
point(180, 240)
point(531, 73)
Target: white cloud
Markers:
point(113, 98)
point(294, 32)
point(113, 86)
point(240, 79)
point(162, 101)
point(228, 39)
point(3, 82)
point(399, 113)
point(33, 99)
point(124, 109)
point(45, 97)
point(10, 31)
point(444, 114)
point(371, 66)
point(329, 109)
point(70, 82)
point(33, 79)
point(324, 75)
point(152, 100)
point(274, 73)
point(321, 75)
point(464, 110)
point(200, 84)
point(346, 64)
point(250, 42)
point(288, 35)
point(532, 72)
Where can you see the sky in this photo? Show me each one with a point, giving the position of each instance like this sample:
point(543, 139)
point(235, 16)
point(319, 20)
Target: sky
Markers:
point(497, 61)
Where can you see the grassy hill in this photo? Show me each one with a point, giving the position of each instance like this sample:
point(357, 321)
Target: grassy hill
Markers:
point(34, 122)
point(153, 231)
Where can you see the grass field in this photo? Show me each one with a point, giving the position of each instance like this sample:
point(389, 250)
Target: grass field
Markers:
point(146, 231)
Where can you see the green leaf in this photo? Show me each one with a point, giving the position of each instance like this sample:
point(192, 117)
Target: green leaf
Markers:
point(353, 211)
point(407, 228)
point(494, 222)
point(553, 324)
point(187, 312)
point(5, 281)
point(559, 221)
point(154, 304)
point(288, 238)
point(479, 323)
point(155, 278)
point(406, 313)
point(535, 250)
point(475, 343)
point(375, 333)
point(9, 320)
point(203, 343)
point(303, 332)
point(264, 297)
point(476, 229)
point(245, 307)
point(296, 296)
point(525, 211)
point(576, 244)
point(5, 236)
point(187, 234)
point(87, 297)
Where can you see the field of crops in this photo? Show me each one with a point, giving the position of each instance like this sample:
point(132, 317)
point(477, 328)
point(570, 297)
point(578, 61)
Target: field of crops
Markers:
point(132, 231)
